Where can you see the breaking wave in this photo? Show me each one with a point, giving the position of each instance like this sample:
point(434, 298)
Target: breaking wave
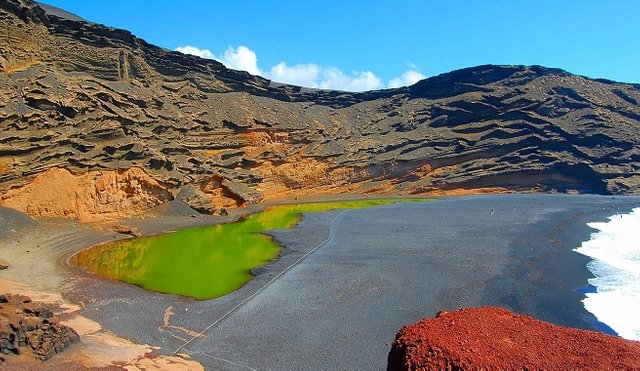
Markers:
point(615, 250)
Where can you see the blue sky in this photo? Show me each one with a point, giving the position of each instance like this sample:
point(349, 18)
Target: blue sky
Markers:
point(360, 45)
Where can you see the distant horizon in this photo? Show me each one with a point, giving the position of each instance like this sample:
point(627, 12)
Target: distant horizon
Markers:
point(515, 37)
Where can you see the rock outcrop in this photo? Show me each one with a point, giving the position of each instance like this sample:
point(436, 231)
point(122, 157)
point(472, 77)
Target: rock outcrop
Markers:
point(125, 229)
point(495, 338)
point(92, 195)
point(197, 199)
point(84, 97)
point(30, 331)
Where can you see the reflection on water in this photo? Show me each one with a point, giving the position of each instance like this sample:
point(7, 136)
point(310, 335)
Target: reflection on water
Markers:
point(204, 262)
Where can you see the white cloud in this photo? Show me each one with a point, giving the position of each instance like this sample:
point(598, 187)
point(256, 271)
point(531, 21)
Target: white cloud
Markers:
point(315, 76)
point(409, 77)
point(241, 58)
point(299, 74)
point(333, 78)
point(305, 74)
point(203, 53)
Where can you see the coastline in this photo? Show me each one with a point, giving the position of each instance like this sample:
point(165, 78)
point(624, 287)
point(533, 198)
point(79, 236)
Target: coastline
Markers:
point(341, 305)
point(168, 321)
point(613, 251)
point(538, 275)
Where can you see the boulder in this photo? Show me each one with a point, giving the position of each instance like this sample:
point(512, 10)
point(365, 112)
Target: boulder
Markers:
point(197, 199)
point(125, 229)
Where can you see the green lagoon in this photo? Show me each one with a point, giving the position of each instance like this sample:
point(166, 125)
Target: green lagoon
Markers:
point(204, 262)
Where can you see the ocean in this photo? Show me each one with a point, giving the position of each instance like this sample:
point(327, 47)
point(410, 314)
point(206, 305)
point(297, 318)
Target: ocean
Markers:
point(615, 250)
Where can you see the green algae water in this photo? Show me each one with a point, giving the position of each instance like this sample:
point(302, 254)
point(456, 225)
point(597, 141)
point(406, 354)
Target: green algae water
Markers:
point(204, 262)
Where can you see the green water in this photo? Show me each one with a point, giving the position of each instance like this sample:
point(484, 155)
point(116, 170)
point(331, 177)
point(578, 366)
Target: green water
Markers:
point(205, 262)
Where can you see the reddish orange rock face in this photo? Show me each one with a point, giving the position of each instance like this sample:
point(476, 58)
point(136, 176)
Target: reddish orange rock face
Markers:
point(495, 338)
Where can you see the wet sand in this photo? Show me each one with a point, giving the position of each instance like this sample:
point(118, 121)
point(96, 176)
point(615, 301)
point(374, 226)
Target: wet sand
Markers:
point(382, 268)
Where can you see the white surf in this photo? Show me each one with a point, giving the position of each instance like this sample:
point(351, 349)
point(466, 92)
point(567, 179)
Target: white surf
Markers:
point(615, 250)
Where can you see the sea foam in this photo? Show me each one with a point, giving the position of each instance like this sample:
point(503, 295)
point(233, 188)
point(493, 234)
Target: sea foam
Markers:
point(615, 250)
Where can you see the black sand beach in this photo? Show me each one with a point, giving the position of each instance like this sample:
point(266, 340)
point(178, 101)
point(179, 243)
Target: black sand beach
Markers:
point(382, 268)
point(393, 265)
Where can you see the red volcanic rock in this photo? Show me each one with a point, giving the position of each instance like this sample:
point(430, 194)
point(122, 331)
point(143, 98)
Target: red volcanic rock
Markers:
point(495, 338)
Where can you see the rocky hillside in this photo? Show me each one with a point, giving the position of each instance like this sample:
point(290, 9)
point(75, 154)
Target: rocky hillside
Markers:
point(490, 338)
point(117, 113)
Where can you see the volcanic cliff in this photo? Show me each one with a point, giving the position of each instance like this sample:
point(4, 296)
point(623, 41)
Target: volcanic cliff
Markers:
point(115, 125)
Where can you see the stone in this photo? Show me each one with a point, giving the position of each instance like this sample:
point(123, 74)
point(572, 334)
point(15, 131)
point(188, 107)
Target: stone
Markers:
point(197, 199)
point(125, 229)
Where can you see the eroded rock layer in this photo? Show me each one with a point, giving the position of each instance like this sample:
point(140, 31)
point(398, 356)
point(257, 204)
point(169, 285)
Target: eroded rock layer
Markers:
point(494, 338)
point(89, 195)
point(85, 97)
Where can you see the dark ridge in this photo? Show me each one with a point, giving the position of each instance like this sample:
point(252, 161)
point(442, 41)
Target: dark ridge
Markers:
point(475, 79)
point(624, 96)
point(26, 10)
point(51, 10)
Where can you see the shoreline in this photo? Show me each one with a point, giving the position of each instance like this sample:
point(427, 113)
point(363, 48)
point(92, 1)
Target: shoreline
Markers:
point(324, 315)
point(309, 300)
point(172, 320)
point(538, 270)
point(612, 254)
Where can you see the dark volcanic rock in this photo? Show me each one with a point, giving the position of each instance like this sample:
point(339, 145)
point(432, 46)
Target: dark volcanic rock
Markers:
point(197, 200)
point(83, 96)
point(29, 329)
point(495, 338)
point(125, 229)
